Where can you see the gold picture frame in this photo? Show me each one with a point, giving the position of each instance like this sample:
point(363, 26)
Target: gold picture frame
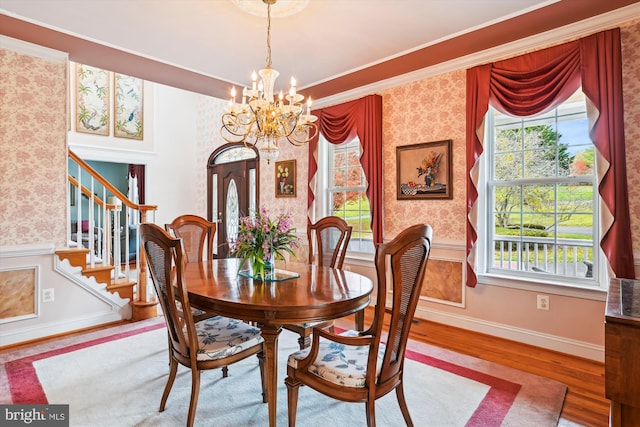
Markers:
point(92, 100)
point(285, 178)
point(424, 171)
point(128, 108)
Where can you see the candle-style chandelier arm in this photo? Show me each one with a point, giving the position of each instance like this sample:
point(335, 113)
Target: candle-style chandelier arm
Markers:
point(260, 119)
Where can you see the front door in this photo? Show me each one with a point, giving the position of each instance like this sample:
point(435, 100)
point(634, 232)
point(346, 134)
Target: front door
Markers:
point(232, 191)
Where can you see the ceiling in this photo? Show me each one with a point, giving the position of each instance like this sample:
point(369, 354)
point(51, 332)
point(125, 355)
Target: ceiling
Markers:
point(330, 46)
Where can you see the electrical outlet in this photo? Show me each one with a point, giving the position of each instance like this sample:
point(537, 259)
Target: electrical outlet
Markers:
point(47, 295)
point(543, 302)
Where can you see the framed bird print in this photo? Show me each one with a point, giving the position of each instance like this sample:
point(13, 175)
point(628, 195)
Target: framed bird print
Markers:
point(128, 112)
point(92, 100)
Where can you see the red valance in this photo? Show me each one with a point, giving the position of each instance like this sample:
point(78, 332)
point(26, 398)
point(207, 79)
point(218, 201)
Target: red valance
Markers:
point(540, 81)
point(340, 124)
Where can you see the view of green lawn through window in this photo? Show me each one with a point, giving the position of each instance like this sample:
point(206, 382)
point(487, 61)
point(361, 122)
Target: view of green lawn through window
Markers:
point(541, 190)
point(347, 194)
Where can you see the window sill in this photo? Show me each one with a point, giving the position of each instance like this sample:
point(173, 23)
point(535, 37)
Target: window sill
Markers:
point(359, 258)
point(570, 290)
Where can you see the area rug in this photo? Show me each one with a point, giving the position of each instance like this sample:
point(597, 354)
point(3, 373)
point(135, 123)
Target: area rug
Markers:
point(115, 377)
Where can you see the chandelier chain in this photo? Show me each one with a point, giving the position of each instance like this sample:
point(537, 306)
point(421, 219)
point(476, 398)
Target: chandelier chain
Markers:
point(268, 35)
point(259, 120)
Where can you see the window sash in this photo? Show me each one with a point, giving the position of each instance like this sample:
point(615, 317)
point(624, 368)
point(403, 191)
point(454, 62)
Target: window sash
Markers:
point(561, 260)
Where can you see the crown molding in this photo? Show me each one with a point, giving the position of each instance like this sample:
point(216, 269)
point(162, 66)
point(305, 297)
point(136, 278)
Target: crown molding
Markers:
point(559, 35)
point(32, 49)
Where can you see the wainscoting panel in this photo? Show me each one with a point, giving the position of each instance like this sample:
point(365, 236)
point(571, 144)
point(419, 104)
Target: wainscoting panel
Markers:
point(444, 282)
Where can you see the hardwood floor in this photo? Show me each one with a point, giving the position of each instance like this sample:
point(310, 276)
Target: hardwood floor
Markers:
point(585, 402)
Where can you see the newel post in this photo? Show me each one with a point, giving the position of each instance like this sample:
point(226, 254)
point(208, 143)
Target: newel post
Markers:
point(143, 307)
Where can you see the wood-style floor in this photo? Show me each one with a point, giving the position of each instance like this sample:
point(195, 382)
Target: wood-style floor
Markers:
point(585, 402)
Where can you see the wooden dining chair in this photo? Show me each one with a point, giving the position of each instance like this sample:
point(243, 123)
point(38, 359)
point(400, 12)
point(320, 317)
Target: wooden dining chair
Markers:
point(356, 366)
point(328, 241)
point(197, 234)
point(208, 344)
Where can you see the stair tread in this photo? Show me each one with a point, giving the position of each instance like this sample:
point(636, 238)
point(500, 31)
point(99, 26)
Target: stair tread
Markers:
point(118, 283)
point(71, 250)
point(97, 268)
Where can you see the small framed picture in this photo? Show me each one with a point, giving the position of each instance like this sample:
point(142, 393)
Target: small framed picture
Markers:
point(424, 171)
point(286, 178)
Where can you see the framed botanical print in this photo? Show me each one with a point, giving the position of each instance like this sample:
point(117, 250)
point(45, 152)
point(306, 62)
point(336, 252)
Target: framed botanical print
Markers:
point(286, 178)
point(424, 171)
point(92, 100)
point(128, 107)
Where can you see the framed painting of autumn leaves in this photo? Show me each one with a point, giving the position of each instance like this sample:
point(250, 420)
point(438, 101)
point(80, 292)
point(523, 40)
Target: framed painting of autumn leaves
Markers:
point(424, 171)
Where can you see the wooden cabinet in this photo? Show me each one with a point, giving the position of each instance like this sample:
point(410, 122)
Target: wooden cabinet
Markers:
point(622, 352)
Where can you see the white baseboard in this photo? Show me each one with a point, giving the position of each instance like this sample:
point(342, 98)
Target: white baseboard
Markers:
point(550, 342)
point(53, 328)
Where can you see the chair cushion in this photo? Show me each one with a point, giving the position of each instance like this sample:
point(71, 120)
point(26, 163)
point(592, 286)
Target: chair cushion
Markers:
point(197, 312)
point(220, 337)
point(341, 364)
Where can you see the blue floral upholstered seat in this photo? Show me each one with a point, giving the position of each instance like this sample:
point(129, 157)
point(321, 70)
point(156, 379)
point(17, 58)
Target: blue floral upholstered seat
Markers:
point(341, 364)
point(220, 337)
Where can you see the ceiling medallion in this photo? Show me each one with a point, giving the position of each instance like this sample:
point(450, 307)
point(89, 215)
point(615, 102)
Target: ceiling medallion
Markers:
point(281, 9)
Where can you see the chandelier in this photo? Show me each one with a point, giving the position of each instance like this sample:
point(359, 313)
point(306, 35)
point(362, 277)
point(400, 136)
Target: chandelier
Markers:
point(260, 121)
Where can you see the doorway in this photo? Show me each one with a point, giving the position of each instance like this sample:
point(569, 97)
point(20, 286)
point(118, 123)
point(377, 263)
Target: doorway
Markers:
point(233, 173)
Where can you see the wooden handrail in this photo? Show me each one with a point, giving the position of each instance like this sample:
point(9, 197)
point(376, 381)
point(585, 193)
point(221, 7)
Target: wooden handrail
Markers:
point(108, 185)
point(87, 193)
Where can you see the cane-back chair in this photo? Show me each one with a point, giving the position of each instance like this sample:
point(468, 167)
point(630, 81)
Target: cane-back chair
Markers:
point(373, 369)
point(209, 344)
point(197, 236)
point(328, 241)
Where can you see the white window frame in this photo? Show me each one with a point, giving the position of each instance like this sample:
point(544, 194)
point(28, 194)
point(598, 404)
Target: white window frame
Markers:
point(589, 289)
point(322, 196)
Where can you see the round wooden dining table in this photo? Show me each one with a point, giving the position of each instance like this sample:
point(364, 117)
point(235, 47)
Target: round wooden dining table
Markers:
point(318, 293)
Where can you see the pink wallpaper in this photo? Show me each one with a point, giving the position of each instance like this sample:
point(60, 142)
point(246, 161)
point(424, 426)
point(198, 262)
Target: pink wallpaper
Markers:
point(433, 109)
point(33, 143)
point(429, 110)
point(631, 88)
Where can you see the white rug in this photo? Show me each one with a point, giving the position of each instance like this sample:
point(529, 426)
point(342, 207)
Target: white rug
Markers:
point(120, 382)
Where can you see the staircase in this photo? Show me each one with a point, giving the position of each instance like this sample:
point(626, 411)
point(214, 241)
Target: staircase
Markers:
point(99, 245)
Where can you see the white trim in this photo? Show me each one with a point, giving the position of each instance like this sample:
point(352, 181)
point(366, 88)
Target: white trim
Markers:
point(53, 328)
point(526, 336)
point(31, 49)
point(538, 41)
point(26, 250)
point(36, 294)
point(590, 293)
point(90, 285)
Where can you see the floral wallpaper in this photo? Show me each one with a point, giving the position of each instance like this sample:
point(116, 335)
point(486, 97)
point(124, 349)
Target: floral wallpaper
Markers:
point(428, 110)
point(207, 140)
point(631, 96)
point(33, 129)
point(424, 111)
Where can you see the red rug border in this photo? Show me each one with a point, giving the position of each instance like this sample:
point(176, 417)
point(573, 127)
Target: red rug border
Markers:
point(25, 386)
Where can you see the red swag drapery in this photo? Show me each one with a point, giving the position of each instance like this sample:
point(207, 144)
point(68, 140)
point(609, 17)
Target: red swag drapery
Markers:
point(137, 171)
point(539, 81)
point(340, 124)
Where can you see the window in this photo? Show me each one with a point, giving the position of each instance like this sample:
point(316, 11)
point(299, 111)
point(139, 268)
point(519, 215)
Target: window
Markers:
point(541, 188)
point(341, 191)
